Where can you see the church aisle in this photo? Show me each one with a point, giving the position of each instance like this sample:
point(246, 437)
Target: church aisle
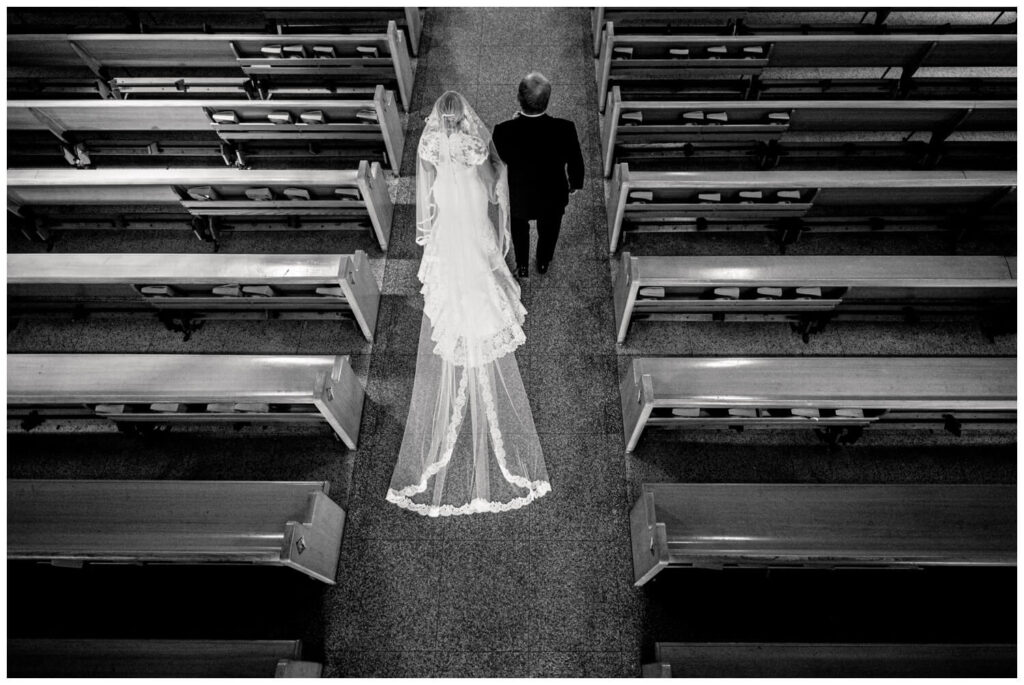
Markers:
point(545, 590)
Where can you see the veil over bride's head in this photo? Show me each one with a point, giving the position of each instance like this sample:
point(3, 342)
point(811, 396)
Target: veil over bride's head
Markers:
point(452, 116)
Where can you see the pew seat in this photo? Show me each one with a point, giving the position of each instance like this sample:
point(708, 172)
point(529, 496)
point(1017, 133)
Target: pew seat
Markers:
point(83, 133)
point(203, 200)
point(767, 21)
point(197, 285)
point(645, 58)
point(106, 658)
point(159, 389)
point(667, 131)
point(830, 660)
point(367, 58)
point(810, 291)
point(789, 202)
point(221, 20)
point(728, 525)
point(837, 396)
point(72, 522)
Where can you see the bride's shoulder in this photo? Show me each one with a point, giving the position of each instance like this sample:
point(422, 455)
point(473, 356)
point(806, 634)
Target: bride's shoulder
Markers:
point(474, 149)
point(429, 146)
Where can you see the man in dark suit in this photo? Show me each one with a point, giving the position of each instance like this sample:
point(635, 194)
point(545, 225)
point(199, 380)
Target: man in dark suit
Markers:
point(545, 165)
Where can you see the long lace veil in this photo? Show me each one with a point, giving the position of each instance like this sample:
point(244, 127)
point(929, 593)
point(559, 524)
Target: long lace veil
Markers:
point(470, 444)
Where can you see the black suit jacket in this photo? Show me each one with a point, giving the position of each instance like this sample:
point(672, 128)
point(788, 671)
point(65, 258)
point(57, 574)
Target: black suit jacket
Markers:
point(544, 163)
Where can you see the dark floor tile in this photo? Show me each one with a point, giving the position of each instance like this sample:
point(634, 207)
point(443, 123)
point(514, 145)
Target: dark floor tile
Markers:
point(332, 337)
point(233, 337)
point(925, 339)
point(373, 663)
point(486, 596)
point(399, 322)
point(401, 277)
point(506, 525)
point(585, 664)
point(587, 601)
point(485, 664)
point(402, 243)
point(127, 334)
point(588, 489)
point(574, 392)
point(563, 65)
point(386, 598)
point(574, 321)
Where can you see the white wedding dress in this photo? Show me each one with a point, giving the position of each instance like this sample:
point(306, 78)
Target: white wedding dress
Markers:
point(470, 444)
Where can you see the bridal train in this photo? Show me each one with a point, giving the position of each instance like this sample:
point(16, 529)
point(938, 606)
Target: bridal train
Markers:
point(470, 444)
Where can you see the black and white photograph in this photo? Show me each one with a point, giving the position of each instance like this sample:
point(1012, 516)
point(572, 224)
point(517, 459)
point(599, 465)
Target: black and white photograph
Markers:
point(526, 341)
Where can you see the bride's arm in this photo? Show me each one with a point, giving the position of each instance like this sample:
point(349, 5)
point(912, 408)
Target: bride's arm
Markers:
point(426, 208)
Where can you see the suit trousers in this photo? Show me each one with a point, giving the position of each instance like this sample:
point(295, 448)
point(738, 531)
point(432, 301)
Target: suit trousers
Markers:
point(548, 227)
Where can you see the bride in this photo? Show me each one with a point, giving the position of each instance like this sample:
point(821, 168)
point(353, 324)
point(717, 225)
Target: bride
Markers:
point(470, 444)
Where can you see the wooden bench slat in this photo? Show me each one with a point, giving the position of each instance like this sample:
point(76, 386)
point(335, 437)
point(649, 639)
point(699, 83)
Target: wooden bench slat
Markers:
point(844, 194)
point(91, 120)
point(177, 522)
point(365, 187)
point(99, 658)
point(907, 51)
point(106, 280)
point(937, 385)
point(881, 526)
point(327, 382)
point(832, 660)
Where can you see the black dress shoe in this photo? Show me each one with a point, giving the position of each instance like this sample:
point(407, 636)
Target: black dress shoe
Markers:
point(523, 272)
point(542, 268)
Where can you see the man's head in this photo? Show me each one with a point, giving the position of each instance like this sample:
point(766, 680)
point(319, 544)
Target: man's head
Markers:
point(534, 93)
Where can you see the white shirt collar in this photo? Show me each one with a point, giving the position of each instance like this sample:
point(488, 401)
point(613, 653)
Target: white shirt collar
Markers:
point(532, 116)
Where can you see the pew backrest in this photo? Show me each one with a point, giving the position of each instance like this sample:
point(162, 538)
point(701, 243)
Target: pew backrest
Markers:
point(383, 56)
point(689, 284)
point(114, 386)
point(830, 660)
point(764, 20)
point(699, 387)
point(374, 120)
point(197, 282)
point(710, 121)
point(821, 526)
point(678, 194)
point(330, 191)
point(107, 658)
point(293, 524)
point(717, 57)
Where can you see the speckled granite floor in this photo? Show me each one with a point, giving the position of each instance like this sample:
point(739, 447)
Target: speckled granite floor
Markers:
point(546, 590)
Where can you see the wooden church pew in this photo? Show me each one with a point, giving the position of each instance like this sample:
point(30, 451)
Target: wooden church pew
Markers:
point(830, 200)
point(729, 525)
point(654, 126)
point(291, 524)
point(203, 285)
point(151, 389)
point(220, 20)
point(840, 395)
point(830, 660)
point(811, 290)
point(228, 130)
point(206, 200)
point(765, 20)
point(107, 658)
point(368, 59)
point(626, 59)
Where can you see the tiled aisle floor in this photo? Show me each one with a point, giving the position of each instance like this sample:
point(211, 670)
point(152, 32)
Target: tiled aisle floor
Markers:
point(544, 590)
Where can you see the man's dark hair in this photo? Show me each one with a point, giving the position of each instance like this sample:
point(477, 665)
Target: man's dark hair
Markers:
point(534, 93)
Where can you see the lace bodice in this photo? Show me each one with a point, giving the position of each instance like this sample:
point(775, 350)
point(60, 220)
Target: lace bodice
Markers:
point(465, 149)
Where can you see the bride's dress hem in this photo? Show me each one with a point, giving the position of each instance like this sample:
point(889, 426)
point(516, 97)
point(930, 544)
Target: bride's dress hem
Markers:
point(478, 506)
